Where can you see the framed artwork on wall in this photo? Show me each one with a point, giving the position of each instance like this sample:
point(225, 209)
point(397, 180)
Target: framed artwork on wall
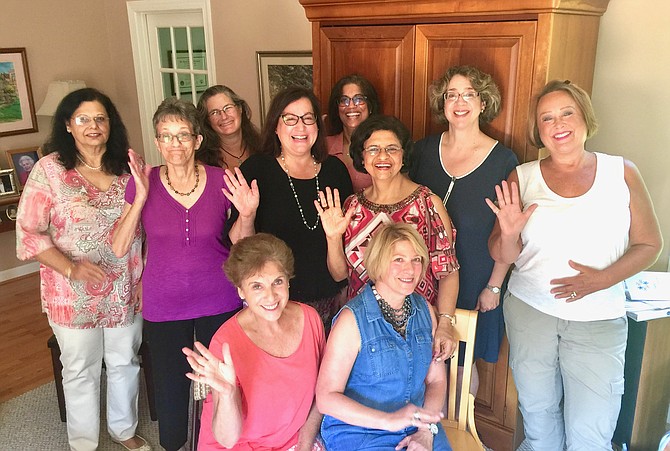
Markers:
point(7, 183)
point(17, 109)
point(280, 70)
point(22, 162)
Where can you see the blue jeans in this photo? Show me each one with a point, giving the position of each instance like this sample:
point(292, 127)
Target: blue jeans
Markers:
point(377, 440)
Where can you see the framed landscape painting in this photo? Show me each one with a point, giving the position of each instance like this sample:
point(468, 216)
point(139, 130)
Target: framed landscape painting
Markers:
point(280, 70)
point(17, 110)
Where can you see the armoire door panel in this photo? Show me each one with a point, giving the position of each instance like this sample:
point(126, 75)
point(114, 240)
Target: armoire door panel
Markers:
point(504, 50)
point(382, 54)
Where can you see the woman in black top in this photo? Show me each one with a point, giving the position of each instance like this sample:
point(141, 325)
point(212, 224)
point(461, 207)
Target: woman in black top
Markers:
point(293, 166)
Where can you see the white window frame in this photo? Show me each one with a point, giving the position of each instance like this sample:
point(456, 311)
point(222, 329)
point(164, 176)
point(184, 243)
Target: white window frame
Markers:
point(138, 11)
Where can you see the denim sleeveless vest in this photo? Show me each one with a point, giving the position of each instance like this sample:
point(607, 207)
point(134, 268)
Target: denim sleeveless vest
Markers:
point(388, 373)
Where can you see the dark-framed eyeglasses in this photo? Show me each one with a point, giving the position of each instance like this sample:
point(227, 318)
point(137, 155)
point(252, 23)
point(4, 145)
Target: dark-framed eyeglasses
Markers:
point(166, 138)
point(292, 119)
point(228, 109)
point(358, 100)
point(452, 96)
point(390, 150)
point(83, 119)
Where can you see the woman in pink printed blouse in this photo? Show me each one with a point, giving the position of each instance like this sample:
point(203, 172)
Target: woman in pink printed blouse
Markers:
point(68, 209)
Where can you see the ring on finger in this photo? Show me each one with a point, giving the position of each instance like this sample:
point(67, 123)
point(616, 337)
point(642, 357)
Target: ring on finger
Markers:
point(416, 416)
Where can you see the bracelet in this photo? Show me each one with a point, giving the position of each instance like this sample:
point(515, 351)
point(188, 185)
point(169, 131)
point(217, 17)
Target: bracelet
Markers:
point(68, 271)
point(451, 318)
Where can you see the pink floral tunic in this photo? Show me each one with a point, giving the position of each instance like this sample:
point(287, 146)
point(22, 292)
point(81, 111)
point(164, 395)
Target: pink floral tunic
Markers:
point(60, 208)
point(418, 210)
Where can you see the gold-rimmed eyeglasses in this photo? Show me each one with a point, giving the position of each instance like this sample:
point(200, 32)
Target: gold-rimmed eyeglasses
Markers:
point(167, 138)
point(452, 96)
point(228, 109)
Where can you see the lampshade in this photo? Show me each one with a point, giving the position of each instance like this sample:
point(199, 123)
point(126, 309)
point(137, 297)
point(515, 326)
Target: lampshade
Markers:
point(57, 90)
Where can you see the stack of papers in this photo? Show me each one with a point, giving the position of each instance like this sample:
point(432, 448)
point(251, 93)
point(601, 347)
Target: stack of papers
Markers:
point(648, 295)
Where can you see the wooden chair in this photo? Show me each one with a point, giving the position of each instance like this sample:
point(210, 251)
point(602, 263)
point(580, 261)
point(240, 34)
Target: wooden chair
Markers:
point(459, 422)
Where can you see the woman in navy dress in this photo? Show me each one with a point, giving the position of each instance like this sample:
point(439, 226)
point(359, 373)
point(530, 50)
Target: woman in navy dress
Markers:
point(463, 165)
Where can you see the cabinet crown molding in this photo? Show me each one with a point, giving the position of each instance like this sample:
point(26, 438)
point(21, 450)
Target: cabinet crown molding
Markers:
point(394, 10)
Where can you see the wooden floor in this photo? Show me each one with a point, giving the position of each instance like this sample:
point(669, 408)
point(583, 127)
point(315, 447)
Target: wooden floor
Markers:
point(25, 360)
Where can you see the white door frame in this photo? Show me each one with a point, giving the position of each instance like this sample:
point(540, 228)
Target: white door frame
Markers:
point(138, 11)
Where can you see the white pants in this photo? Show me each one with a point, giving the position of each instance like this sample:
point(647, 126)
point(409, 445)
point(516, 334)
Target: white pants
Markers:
point(569, 375)
point(82, 352)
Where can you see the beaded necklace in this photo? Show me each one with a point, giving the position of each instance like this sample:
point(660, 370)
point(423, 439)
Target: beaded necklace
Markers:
point(396, 317)
point(295, 194)
point(197, 180)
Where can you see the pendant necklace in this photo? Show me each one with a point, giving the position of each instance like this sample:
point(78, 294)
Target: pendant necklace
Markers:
point(396, 317)
point(197, 180)
point(295, 194)
point(92, 168)
point(239, 158)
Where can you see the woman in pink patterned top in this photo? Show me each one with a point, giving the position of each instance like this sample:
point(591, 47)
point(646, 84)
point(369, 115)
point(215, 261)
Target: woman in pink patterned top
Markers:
point(68, 209)
point(382, 146)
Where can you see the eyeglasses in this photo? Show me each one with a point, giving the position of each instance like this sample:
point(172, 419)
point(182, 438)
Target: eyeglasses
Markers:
point(292, 119)
point(391, 150)
point(166, 138)
point(82, 119)
point(452, 96)
point(228, 109)
point(358, 99)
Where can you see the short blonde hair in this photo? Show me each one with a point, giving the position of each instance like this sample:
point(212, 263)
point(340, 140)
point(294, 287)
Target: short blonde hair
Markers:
point(580, 97)
point(249, 255)
point(377, 257)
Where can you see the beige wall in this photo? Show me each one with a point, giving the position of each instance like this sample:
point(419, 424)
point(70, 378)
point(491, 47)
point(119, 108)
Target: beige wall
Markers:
point(66, 39)
point(631, 98)
point(241, 28)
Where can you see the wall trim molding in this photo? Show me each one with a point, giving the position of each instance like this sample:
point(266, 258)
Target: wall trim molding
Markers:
point(13, 273)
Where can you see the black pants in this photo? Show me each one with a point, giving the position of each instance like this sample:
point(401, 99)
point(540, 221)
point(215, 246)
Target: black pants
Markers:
point(173, 388)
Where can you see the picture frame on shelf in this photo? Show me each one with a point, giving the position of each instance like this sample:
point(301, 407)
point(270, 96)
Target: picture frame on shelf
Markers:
point(22, 162)
point(17, 108)
point(8, 185)
point(280, 70)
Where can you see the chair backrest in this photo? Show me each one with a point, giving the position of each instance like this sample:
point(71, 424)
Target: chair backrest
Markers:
point(457, 398)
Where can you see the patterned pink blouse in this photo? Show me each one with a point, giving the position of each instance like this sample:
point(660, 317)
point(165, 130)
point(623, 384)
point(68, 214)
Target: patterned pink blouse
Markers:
point(418, 210)
point(60, 208)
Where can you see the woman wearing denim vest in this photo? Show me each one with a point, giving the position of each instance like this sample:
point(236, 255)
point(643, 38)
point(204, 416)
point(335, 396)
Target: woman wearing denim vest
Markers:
point(379, 387)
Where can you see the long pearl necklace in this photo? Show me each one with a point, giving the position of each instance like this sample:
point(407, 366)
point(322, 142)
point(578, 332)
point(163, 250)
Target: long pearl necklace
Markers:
point(92, 168)
point(295, 194)
point(197, 180)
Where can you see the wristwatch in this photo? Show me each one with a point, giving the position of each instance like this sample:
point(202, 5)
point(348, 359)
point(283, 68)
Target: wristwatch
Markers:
point(432, 427)
point(495, 290)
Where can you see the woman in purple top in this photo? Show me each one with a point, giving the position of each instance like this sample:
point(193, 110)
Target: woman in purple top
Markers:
point(185, 292)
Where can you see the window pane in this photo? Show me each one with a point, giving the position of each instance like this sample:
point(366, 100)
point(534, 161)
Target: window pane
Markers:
point(180, 39)
point(184, 81)
point(165, 47)
point(168, 85)
point(198, 44)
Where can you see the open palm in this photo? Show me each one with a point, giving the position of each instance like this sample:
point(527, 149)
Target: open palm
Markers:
point(220, 375)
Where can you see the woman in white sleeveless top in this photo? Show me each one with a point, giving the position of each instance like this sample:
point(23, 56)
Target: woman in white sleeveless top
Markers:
point(575, 225)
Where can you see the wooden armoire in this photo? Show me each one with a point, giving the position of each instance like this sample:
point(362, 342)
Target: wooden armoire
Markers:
point(401, 46)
